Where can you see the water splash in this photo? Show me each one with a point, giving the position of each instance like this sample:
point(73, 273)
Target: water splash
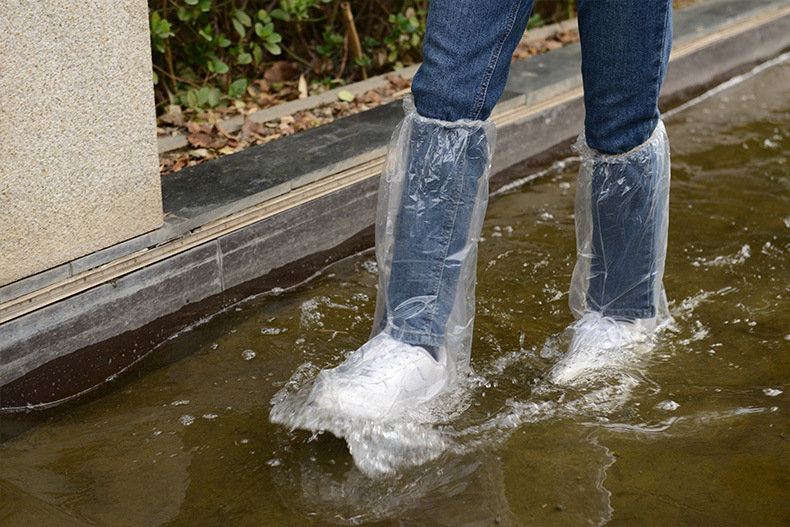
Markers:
point(443, 426)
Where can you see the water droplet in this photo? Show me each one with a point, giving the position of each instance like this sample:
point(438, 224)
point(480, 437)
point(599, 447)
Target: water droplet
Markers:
point(272, 331)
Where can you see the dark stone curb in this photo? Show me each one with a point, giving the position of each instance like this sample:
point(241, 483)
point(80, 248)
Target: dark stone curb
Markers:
point(70, 346)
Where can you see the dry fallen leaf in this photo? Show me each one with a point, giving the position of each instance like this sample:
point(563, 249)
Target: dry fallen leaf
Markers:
point(302, 87)
point(550, 44)
point(200, 152)
point(399, 82)
point(173, 115)
point(226, 134)
point(371, 97)
point(204, 140)
point(252, 129)
point(281, 71)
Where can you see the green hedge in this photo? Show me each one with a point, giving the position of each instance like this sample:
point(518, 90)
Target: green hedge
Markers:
point(207, 52)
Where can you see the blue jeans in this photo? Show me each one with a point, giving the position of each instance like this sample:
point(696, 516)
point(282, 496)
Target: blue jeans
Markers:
point(467, 52)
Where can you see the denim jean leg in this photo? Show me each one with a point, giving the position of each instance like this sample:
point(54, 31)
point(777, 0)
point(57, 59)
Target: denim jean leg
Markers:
point(467, 51)
point(625, 51)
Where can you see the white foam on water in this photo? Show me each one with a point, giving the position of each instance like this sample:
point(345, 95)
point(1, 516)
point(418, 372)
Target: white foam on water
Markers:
point(687, 306)
point(721, 261)
point(668, 405)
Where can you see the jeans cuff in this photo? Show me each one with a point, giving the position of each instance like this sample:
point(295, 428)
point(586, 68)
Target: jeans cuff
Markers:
point(629, 314)
point(414, 338)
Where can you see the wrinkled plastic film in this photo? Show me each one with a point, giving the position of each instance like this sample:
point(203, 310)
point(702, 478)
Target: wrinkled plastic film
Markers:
point(622, 218)
point(432, 200)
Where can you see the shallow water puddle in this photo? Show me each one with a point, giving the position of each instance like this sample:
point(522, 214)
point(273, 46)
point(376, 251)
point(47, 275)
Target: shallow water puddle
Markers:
point(697, 435)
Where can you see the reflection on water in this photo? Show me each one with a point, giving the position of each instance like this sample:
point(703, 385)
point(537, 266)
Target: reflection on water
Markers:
point(696, 434)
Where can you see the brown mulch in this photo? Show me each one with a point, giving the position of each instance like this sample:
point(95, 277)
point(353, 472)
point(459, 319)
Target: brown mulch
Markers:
point(282, 83)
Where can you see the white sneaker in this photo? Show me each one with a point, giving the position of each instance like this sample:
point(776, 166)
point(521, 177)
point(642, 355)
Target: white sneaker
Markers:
point(600, 343)
point(382, 379)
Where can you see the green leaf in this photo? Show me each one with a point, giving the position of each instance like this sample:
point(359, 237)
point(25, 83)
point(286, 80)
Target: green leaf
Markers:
point(214, 96)
point(243, 17)
point(257, 54)
point(220, 67)
point(274, 49)
point(263, 16)
point(224, 42)
point(259, 29)
point(345, 95)
point(244, 58)
point(191, 2)
point(165, 29)
point(156, 78)
point(274, 38)
point(238, 87)
point(239, 27)
point(204, 5)
point(192, 99)
point(202, 95)
point(206, 33)
point(279, 14)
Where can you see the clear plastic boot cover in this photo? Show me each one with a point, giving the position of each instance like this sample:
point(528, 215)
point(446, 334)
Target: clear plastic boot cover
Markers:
point(432, 200)
point(616, 295)
point(431, 204)
point(622, 215)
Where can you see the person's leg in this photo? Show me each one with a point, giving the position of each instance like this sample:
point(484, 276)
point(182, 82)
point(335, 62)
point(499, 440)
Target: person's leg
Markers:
point(432, 200)
point(624, 181)
point(623, 186)
point(430, 225)
point(466, 56)
point(467, 52)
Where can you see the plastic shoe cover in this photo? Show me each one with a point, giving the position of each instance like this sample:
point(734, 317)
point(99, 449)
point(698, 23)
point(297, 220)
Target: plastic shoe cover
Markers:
point(380, 380)
point(622, 212)
point(432, 200)
point(599, 344)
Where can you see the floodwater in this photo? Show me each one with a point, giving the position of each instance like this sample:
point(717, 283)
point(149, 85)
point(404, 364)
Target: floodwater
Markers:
point(697, 435)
